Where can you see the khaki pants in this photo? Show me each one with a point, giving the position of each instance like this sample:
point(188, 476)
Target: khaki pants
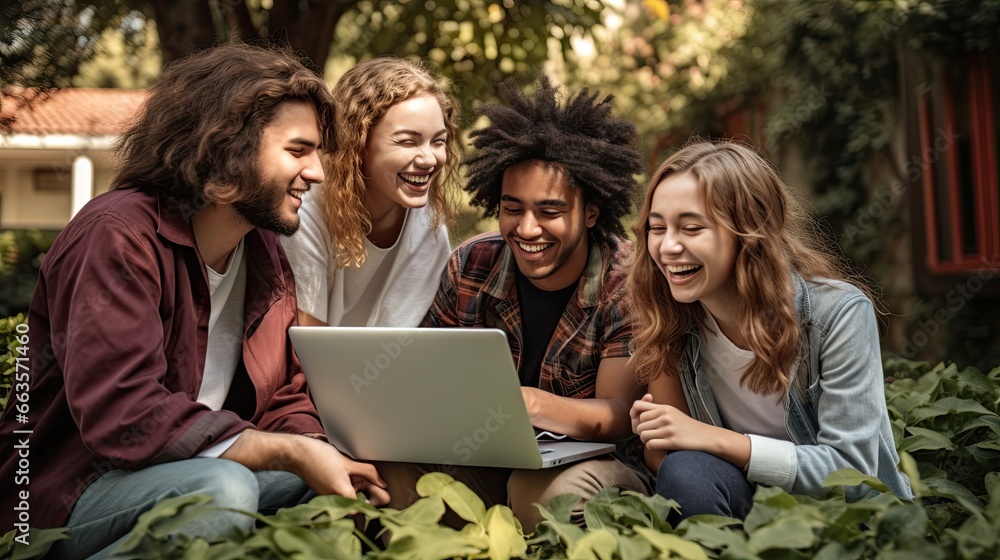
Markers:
point(517, 488)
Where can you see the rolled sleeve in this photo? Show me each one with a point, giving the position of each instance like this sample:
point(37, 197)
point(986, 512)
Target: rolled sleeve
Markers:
point(218, 449)
point(772, 462)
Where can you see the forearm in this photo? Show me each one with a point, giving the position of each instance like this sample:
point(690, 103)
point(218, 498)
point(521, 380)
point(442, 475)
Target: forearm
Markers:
point(732, 447)
point(263, 451)
point(583, 419)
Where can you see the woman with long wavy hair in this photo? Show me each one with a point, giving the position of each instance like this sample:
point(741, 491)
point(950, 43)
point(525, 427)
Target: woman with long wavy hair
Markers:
point(774, 346)
point(373, 239)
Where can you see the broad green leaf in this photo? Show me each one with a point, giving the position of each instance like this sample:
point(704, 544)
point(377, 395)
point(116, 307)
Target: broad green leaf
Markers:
point(839, 551)
point(921, 413)
point(184, 508)
point(973, 379)
point(953, 491)
point(902, 403)
point(301, 542)
point(425, 511)
point(768, 503)
point(464, 502)
point(851, 477)
point(197, 550)
point(923, 438)
point(897, 426)
point(672, 544)
point(784, 533)
point(330, 507)
point(928, 383)
point(561, 507)
point(262, 540)
point(976, 538)
point(634, 547)
point(925, 552)
point(598, 513)
point(909, 468)
point(903, 524)
point(432, 543)
point(715, 538)
point(341, 535)
point(504, 534)
point(597, 544)
point(650, 511)
point(992, 422)
point(39, 543)
point(553, 532)
point(962, 406)
point(992, 481)
point(903, 367)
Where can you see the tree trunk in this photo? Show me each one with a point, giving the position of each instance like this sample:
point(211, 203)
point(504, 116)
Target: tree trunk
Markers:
point(183, 26)
point(307, 26)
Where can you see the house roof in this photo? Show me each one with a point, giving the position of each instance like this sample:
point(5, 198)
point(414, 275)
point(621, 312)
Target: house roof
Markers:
point(80, 111)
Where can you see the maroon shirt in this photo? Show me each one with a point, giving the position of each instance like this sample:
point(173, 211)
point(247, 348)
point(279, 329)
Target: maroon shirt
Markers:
point(118, 331)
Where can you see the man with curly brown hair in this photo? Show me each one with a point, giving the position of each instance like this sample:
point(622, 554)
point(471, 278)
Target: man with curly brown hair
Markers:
point(559, 175)
point(159, 357)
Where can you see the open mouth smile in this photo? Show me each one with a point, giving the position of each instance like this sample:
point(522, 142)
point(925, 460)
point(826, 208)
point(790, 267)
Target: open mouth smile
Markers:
point(683, 269)
point(533, 247)
point(418, 181)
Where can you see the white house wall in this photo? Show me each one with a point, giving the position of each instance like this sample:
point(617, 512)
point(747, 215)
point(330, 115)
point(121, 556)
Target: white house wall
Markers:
point(22, 205)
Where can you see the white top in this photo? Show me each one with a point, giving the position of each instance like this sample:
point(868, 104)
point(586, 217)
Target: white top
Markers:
point(225, 329)
point(225, 338)
point(393, 288)
point(741, 409)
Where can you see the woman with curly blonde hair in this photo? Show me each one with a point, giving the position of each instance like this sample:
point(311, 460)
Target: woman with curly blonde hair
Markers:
point(773, 346)
point(373, 241)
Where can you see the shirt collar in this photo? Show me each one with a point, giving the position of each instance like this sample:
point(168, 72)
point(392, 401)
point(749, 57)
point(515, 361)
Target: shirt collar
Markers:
point(500, 282)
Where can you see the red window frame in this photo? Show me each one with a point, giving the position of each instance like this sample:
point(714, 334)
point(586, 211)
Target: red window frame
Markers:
point(946, 242)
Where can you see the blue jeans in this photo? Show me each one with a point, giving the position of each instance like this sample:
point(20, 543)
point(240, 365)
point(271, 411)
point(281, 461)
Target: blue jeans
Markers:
point(703, 483)
point(110, 506)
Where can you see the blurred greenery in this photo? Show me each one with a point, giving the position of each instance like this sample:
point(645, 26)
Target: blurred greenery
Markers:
point(21, 253)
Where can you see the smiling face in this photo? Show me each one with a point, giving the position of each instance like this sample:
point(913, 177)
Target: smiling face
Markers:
point(544, 221)
point(287, 163)
point(695, 254)
point(404, 153)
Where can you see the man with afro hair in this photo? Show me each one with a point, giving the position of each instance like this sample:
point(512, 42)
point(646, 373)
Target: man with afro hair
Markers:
point(559, 175)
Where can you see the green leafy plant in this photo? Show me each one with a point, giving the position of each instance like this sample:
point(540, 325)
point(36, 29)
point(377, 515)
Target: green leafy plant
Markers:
point(947, 420)
point(9, 353)
point(944, 421)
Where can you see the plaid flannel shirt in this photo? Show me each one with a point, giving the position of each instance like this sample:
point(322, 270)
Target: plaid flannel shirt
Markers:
point(478, 290)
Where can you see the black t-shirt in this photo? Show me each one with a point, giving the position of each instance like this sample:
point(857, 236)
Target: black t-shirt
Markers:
point(540, 314)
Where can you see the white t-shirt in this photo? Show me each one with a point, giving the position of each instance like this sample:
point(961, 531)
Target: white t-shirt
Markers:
point(225, 338)
point(225, 329)
point(741, 409)
point(393, 288)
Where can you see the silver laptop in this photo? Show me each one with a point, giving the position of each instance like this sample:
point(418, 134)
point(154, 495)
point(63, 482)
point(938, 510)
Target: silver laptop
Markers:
point(442, 396)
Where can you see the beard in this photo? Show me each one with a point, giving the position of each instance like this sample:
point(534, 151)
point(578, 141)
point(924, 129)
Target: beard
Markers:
point(263, 209)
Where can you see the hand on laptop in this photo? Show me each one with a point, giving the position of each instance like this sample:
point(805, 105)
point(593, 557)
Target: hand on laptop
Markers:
point(316, 462)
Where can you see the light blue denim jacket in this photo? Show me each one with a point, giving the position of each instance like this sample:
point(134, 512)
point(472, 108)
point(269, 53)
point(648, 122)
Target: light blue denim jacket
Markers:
point(836, 416)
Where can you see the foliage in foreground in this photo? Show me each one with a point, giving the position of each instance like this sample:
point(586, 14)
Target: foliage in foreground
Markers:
point(620, 525)
point(946, 427)
point(9, 352)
